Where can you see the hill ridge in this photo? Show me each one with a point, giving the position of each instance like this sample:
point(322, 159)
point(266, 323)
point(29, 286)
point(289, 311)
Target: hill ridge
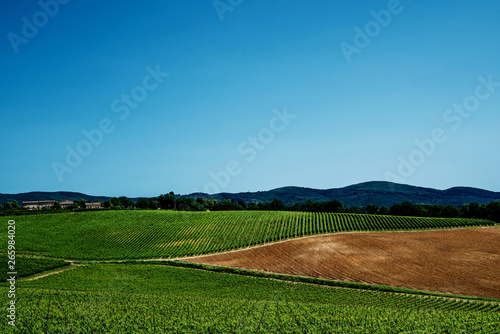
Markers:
point(356, 195)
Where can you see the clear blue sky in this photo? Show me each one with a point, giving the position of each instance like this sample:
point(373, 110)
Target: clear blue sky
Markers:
point(355, 85)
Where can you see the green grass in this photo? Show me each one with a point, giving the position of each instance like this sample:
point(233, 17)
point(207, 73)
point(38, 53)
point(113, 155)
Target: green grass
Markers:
point(146, 298)
point(169, 234)
point(27, 266)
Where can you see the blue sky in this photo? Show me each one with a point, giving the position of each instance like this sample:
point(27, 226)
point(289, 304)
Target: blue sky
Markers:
point(258, 95)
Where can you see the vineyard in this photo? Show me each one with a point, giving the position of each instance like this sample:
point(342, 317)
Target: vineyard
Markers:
point(170, 234)
point(133, 298)
point(156, 296)
point(26, 266)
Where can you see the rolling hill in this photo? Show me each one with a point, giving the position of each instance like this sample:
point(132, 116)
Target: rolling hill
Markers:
point(358, 195)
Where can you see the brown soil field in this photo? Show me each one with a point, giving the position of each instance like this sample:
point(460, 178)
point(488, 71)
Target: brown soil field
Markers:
point(459, 261)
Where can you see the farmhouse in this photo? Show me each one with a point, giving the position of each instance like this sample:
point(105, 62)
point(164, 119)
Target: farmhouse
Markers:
point(93, 205)
point(66, 204)
point(33, 205)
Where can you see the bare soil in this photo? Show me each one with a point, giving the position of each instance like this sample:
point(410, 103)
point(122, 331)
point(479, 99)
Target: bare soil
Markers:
point(458, 261)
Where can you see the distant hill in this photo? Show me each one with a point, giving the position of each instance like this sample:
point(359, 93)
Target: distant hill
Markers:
point(358, 195)
point(49, 196)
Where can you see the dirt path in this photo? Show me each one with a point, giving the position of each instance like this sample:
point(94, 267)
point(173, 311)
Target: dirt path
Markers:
point(48, 273)
point(459, 261)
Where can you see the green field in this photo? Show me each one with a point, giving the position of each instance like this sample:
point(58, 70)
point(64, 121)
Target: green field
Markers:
point(156, 297)
point(26, 266)
point(170, 234)
point(139, 298)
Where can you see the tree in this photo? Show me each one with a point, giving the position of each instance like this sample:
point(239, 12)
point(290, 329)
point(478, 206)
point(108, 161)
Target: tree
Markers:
point(334, 206)
point(406, 209)
point(371, 209)
point(167, 201)
point(476, 210)
point(451, 211)
point(493, 211)
point(226, 204)
point(434, 210)
point(57, 205)
point(253, 206)
point(185, 204)
point(308, 206)
point(126, 202)
point(153, 203)
point(15, 205)
point(277, 205)
point(115, 202)
point(142, 203)
point(383, 210)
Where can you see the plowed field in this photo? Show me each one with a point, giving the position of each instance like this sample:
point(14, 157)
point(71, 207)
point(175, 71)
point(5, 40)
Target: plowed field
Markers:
point(459, 261)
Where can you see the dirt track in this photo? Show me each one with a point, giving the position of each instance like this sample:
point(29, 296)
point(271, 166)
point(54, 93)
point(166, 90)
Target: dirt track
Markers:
point(461, 261)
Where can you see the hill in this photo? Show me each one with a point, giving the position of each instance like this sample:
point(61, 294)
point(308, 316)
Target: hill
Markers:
point(156, 296)
point(133, 234)
point(358, 195)
point(49, 196)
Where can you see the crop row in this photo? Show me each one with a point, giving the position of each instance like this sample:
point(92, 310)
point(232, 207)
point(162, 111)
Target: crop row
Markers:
point(49, 311)
point(162, 279)
point(26, 266)
point(167, 234)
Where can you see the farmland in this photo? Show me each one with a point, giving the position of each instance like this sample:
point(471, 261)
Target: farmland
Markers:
point(103, 294)
point(171, 234)
point(26, 266)
point(423, 260)
point(139, 298)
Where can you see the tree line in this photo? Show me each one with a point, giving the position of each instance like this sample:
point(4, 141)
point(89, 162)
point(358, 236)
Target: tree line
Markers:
point(168, 201)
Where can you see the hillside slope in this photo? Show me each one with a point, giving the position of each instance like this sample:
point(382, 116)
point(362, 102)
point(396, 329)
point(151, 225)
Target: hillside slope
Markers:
point(358, 195)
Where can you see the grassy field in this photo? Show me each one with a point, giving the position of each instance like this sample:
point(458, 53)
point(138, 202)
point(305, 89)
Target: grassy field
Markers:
point(169, 234)
point(141, 298)
point(153, 297)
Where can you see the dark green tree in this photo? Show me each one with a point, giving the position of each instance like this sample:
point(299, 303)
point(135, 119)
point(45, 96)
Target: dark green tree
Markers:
point(142, 203)
point(126, 202)
point(372, 209)
point(493, 211)
point(450, 211)
point(253, 206)
point(334, 206)
point(406, 209)
point(277, 205)
point(167, 201)
point(115, 202)
point(383, 210)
